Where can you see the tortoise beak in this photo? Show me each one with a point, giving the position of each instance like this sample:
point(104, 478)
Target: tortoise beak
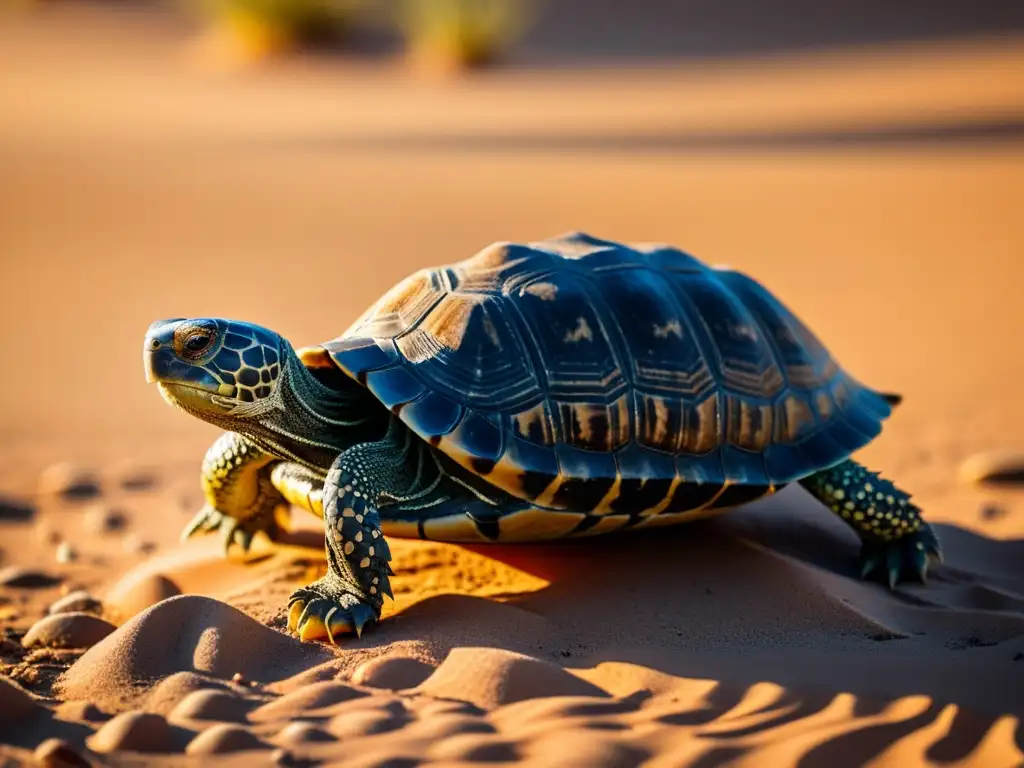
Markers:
point(158, 349)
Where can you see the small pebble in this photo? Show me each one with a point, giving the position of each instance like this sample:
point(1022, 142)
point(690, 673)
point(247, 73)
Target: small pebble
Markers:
point(135, 545)
point(67, 630)
point(47, 534)
point(992, 512)
point(57, 753)
point(66, 553)
point(12, 510)
point(103, 519)
point(139, 480)
point(9, 613)
point(995, 468)
point(78, 601)
point(69, 481)
point(26, 578)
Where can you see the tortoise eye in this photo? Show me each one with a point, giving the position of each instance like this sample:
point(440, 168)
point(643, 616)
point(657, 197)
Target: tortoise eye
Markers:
point(197, 342)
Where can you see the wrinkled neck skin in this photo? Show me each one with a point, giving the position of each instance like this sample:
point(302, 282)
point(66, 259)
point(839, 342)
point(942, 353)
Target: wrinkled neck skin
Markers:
point(306, 421)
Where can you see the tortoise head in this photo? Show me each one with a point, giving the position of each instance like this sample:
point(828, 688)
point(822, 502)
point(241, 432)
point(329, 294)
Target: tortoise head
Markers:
point(215, 368)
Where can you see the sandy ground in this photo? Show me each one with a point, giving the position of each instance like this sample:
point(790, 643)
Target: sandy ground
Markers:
point(878, 191)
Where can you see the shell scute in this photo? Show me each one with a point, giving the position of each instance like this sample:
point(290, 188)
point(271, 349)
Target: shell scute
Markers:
point(748, 423)
point(805, 361)
point(691, 495)
point(402, 307)
point(584, 481)
point(526, 470)
point(394, 386)
point(659, 421)
point(780, 461)
point(646, 478)
point(702, 431)
point(468, 349)
point(744, 467)
point(570, 336)
point(596, 426)
point(664, 353)
point(359, 355)
point(433, 415)
point(743, 358)
point(475, 437)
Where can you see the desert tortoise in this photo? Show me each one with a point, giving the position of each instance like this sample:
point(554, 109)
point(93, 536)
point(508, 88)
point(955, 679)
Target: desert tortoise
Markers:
point(567, 387)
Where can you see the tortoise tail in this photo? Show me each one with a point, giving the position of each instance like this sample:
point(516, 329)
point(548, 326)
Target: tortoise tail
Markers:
point(892, 398)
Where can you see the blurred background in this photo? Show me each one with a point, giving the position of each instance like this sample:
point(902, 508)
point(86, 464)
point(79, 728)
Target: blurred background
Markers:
point(286, 161)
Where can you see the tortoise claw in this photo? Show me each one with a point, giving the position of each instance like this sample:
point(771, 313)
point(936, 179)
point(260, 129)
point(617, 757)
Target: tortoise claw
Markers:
point(326, 609)
point(227, 534)
point(231, 529)
point(895, 561)
point(243, 538)
point(206, 519)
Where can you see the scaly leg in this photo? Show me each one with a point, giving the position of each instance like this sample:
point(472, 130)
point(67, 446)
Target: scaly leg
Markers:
point(896, 540)
point(241, 499)
point(350, 597)
point(300, 486)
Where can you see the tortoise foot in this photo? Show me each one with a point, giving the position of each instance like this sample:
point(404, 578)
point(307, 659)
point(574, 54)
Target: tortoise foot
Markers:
point(907, 557)
point(328, 607)
point(233, 530)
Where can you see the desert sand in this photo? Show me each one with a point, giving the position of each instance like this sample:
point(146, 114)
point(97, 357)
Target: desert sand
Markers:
point(877, 190)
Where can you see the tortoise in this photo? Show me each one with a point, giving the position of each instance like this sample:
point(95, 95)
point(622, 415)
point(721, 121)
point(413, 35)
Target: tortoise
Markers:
point(568, 387)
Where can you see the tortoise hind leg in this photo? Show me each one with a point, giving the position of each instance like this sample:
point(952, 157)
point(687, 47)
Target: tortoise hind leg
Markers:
point(896, 541)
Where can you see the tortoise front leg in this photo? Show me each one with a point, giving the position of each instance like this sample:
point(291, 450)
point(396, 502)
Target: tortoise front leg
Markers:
point(350, 596)
point(241, 497)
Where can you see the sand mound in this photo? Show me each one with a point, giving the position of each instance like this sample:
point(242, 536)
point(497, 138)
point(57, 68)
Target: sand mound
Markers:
point(475, 748)
point(369, 722)
point(67, 630)
point(585, 747)
point(137, 592)
point(78, 601)
point(185, 634)
point(56, 753)
point(392, 672)
point(211, 705)
point(135, 732)
point(435, 726)
point(224, 738)
point(311, 699)
point(489, 677)
point(301, 732)
point(166, 695)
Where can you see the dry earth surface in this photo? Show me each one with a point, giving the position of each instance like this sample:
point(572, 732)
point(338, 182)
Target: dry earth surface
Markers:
point(878, 191)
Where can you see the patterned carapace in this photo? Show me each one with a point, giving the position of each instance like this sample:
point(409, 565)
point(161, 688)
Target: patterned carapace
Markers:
point(590, 376)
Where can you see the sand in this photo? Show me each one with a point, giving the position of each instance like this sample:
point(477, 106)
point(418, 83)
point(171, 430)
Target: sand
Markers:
point(135, 188)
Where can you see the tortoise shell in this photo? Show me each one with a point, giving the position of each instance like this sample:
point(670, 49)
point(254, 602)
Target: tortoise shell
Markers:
point(586, 375)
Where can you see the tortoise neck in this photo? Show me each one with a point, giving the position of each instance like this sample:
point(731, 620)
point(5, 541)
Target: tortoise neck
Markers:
point(314, 422)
